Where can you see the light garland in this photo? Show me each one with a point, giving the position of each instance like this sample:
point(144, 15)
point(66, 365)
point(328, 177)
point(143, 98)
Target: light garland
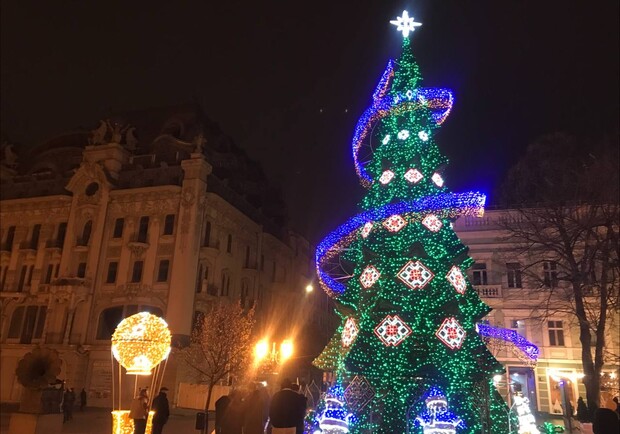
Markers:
point(123, 424)
point(527, 422)
point(140, 342)
point(413, 175)
point(386, 177)
point(436, 418)
point(349, 332)
point(394, 223)
point(526, 347)
point(415, 275)
point(451, 333)
point(457, 280)
point(392, 330)
point(369, 276)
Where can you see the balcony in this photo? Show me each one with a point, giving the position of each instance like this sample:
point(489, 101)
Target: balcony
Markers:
point(27, 245)
point(489, 291)
point(54, 244)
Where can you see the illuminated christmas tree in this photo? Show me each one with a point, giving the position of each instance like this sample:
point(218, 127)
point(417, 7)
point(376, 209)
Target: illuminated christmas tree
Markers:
point(397, 272)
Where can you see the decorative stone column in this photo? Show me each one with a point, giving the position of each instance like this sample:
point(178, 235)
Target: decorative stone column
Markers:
point(187, 248)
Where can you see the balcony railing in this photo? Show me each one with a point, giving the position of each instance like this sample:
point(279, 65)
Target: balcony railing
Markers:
point(489, 291)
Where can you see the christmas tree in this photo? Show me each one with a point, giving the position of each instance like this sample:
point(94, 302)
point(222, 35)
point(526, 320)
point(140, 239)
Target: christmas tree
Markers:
point(397, 273)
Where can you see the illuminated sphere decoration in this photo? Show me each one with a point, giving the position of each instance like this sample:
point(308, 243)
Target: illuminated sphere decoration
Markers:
point(140, 342)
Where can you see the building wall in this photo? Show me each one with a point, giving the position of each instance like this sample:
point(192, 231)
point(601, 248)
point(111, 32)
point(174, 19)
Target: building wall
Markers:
point(57, 290)
point(528, 309)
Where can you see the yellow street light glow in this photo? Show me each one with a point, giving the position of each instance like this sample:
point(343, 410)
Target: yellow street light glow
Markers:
point(140, 342)
point(309, 288)
point(261, 350)
point(286, 350)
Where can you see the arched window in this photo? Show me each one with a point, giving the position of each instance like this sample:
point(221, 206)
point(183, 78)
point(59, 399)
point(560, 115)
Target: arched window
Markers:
point(27, 323)
point(112, 316)
point(88, 227)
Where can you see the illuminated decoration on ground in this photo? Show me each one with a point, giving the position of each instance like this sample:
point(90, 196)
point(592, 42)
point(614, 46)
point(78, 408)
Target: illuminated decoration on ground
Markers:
point(386, 140)
point(403, 134)
point(456, 279)
point(436, 418)
point(527, 422)
point(140, 342)
point(386, 177)
point(366, 229)
point(359, 393)
point(437, 179)
point(334, 418)
point(399, 349)
point(451, 333)
point(423, 135)
point(413, 175)
point(405, 24)
point(432, 223)
point(528, 349)
point(369, 276)
point(394, 223)
point(123, 424)
point(392, 330)
point(349, 332)
point(415, 275)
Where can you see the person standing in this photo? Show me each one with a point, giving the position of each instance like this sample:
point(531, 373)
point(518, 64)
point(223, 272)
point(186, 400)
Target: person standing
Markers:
point(287, 410)
point(162, 410)
point(139, 412)
point(220, 410)
point(256, 411)
point(82, 399)
point(606, 419)
point(233, 420)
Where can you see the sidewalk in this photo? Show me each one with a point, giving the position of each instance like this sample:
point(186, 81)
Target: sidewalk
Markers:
point(99, 421)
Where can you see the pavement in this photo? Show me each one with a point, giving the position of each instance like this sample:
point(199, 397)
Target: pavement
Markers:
point(99, 421)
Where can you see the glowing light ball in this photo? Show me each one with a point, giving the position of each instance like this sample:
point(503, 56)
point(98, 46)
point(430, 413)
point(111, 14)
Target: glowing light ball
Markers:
point(140, 342)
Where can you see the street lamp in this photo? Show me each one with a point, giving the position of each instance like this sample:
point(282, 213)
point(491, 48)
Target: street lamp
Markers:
point(309, 288)
point(270, 359)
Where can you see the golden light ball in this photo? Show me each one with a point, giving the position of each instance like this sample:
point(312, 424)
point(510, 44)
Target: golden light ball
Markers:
point(140, 342)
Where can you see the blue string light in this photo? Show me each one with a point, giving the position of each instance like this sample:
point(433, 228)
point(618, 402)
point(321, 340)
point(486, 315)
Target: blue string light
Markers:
point(528, 348)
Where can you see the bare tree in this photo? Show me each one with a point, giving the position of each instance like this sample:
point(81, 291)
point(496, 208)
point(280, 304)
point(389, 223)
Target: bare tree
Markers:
point(564, 206)
point(220, 345)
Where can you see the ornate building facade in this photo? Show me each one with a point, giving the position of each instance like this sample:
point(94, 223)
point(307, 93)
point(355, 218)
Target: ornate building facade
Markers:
point(98, 226)
point(517, 285)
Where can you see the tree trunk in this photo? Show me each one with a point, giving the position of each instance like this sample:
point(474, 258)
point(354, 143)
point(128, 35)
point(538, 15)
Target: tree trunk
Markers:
point(209, 392)
point(593, 386)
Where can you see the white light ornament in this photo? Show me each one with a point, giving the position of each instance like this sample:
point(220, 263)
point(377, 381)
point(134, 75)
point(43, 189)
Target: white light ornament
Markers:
point(403, 134)
point(386, 177)
point(457, 280)
point(414, 176)
point(366, 229)
point(386, 140)
point(394, 223)
point(451, 333)
point(405, 24)
point(423, 135)
point(349, 332)
point(437, 179)
point(527, 422)
point(369, 276)
point(392, 331)
point(415, 275)
point(432, 223)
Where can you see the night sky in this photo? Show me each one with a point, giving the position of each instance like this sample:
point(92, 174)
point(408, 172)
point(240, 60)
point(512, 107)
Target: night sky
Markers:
point(288, 80)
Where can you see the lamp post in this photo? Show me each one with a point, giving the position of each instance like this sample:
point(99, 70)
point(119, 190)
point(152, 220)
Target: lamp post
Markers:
point(270, 360)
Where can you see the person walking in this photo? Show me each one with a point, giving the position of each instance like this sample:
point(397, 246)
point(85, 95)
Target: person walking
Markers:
point(256, 411)
point(82, 399)
point(606, 419)
point(287, 410)
point(139, 412)
point(234, 415)
point(220, 410)
point(162, 410)
point(68, 401)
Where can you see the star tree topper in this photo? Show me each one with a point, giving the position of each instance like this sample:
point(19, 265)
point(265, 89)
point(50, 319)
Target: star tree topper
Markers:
point(405, 24)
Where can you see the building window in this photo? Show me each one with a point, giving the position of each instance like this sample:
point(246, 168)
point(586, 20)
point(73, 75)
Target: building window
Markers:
point(556, 333)
point(22, 278)
point(27, 323)
point(49, 273)
point(247, 256)
point(162, 273)
point(3, 272)
point(550, 274)
point(81, 270)
point(9, 238)
point(110, 317)
point(262, 262)
point(112, 271)
point(513, 272)
point(207, 237)
point(479, 274)
point(60, 236)
point(136, 273)
point(34, 239)
point(143, 229)
point(85, 239)
point(225, 288)
point(229, 244)
point(245, 292)
point(169, 224)
point(119, 224)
